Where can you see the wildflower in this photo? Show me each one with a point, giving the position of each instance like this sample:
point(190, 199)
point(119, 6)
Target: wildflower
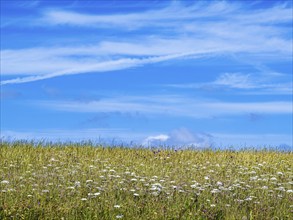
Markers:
point(289, 191)
point(77, 184)
point(119, 216)
point(89, 181)
point(206, 178)
point(97, 194)
point(213, 205)
point(45, 191)
point(117, 206)
point(280, 189)
point(5, 182)
point(280, 173)
point(155, 193)
point(248, 198)
point(215, 191)
point(83, 199)
point(136, 194)
point(219, 183)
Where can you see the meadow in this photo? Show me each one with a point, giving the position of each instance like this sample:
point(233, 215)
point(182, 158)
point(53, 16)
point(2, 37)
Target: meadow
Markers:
point(77, 181)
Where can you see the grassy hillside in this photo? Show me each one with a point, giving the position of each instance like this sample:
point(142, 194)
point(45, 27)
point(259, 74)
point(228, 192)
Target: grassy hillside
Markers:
point(80, 182)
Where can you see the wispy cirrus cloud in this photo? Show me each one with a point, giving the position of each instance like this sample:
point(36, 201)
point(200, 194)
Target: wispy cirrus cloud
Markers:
point(206, 29)
point(171, 15)
point(256, 83)
point(170, 105)
point(98, 67)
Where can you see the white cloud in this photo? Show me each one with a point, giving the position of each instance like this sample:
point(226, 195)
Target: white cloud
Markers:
point(171, 15)
point(201, 29)
point(235, 80)
point(264, 83)
point(171, 105)
point(184, 137)
point(97, 67)
point(181, 137)
point(155, 140)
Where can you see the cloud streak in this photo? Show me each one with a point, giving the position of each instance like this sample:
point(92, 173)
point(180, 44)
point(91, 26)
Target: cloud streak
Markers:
point(170, 105)
point(170, 15)
point(178, 30)
point(246, 84)
point(98, 67)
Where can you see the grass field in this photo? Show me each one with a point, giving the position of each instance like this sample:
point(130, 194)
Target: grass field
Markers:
point(84, 182)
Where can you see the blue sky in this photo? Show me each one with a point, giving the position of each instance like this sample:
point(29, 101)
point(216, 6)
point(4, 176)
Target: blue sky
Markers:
point(179, 72)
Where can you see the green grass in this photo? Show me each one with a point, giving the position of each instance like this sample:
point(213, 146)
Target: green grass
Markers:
point(80, 182)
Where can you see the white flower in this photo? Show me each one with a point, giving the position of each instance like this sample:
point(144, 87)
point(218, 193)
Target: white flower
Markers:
point(117, 206)
point(45, 191)
point(213, 205)
point(219, 183)
point(215, 191)
point(280, 188)
point(289, 191)
point(280, 173)
point(155, 193)
point(89, 181)
point(136, 194)
point(119, 216)
point(248, 198)
point(83, 199)
point(206, 178)
point(5, 182)
point(77, 184)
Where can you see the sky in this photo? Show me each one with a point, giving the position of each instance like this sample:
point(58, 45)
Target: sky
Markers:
point(175, 73)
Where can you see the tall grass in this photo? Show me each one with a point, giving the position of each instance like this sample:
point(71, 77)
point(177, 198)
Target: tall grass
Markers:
point(84, 182)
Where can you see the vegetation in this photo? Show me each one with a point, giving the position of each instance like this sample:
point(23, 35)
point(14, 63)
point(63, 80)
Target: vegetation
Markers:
point(86, 182)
